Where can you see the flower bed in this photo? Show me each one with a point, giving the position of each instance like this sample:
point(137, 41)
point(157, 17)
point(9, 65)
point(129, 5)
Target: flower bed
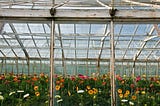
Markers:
point(83, 91)
point(138, 91)
point(16, 90)
point(89, 91)
point(22, 90)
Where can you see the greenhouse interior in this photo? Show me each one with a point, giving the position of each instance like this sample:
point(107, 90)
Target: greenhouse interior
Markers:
point(79, 52)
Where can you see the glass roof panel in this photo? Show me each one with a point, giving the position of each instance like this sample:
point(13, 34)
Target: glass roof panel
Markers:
point(128, 29)
point(8, 52)
point(65, 28)
point(98, 28)
point(36, 28)
point(79, 40)
point(7, 28)
point(21, 28)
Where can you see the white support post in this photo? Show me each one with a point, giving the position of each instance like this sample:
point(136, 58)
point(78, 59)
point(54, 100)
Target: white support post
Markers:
point(112, 64)
point(52, 64)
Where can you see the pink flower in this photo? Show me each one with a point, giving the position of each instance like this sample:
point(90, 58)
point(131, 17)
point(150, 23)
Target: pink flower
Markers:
point(55, 76)
point(82, 76)
point(151, 85)
point(138, 78)
point(73, 78)
point(119, 77)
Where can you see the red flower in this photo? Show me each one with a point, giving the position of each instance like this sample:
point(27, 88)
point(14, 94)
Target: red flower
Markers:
point(152, 79)
point(132, 85)
point(103, 83)
point(138, 78)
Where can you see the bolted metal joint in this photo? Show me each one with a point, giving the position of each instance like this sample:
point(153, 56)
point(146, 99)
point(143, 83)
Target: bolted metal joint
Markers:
point(112, 12)
point(52, 11)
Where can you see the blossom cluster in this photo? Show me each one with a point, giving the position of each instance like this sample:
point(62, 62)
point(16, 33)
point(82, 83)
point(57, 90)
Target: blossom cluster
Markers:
point(83, 90)
point(21, 89)
point(138, 91)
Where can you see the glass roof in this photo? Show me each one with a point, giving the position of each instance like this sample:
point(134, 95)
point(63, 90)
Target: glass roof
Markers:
point(80, 41)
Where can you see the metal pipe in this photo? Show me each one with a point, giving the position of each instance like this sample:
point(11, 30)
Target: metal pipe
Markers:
point(52, 64)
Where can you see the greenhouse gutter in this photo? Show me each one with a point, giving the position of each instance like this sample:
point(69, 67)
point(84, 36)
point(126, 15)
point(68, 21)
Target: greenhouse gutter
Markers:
point(98, 14)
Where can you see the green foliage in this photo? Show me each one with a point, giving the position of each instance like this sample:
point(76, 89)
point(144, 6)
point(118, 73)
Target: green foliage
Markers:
point(82, 90)
point(19, 90)
point(138, 91)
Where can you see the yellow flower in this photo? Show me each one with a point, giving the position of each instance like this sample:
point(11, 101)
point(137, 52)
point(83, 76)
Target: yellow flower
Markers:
point(121, 95)
point(143, 92)
point(88, 87)
point(69, 93)
point(57, 87)
point(119, 90)
point(35, 88)
point(125, 95)
point(37, 93)
point(134, 97)
point(90, 92)
point(144, 75)
point(77, 88)
point(127, 92)
point(95, 90)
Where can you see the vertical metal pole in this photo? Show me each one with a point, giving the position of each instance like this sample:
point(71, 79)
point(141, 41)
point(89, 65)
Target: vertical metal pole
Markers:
point(52, 63)
point(112, 61)
point(112, 64)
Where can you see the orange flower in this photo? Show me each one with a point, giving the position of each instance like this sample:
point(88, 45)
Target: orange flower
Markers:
point(57, 82)
point(122, 82)
point(34, 78)
point(15, 79)
point(95, 79)
point(127, 92)
point(35, 88)
point(57, 87)
point(37, 93)
point(47, 80)
point(62, 80)
point(137, 92)
point(42, 75)
point(90, 92)
point(121, 95)
point(134, 97)
point(119, 90)
point(95, 90)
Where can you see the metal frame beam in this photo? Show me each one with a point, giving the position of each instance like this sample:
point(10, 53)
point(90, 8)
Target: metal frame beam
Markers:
point(10, 46)
point(88, 13)
point(82, 59)
point(19, 41)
